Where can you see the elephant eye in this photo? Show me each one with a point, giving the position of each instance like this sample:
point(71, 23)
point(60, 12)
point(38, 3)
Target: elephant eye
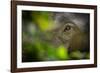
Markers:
point(67, 28)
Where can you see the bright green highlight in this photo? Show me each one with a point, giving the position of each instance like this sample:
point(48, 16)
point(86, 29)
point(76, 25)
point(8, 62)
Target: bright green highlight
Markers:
point(43, 20)
point(62, 52)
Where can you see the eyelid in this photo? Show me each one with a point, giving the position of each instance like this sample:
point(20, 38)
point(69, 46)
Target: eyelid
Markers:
point(70, 24)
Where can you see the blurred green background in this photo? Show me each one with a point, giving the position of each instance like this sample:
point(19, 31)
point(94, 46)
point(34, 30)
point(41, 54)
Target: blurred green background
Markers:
point(37, 33)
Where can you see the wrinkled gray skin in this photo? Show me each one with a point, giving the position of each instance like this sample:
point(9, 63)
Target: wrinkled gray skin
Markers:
point(72, 31)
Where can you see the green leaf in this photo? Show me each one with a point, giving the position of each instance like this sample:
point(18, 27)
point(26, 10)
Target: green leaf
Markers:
point(43, 20)
point(62, 53)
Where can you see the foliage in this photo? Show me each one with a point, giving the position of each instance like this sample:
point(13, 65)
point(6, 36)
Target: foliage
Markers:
point(36, 45)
